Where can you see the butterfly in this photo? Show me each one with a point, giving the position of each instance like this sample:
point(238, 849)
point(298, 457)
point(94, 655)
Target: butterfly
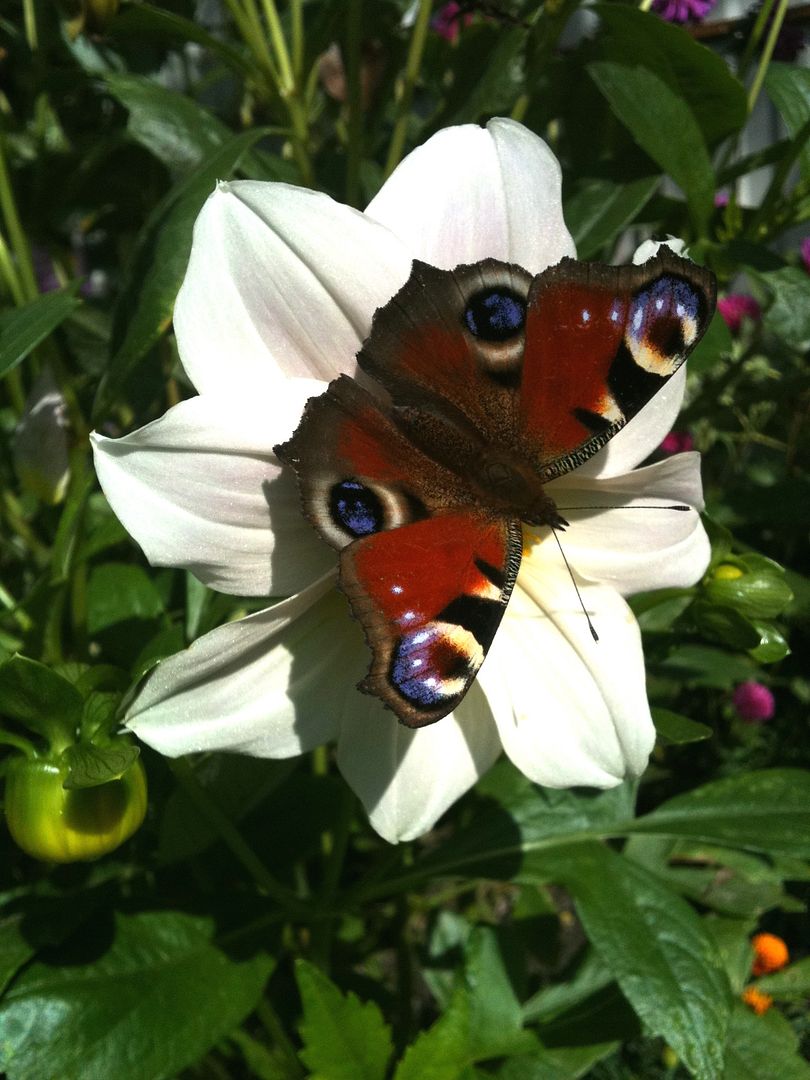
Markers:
point(479, 386)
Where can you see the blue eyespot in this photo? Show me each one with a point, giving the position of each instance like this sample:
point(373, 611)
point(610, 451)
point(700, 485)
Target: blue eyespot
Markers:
point(355, 508)
point(495, 314)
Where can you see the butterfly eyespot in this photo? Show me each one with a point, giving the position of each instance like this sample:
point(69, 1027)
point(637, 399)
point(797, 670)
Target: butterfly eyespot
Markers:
point(663, 324)
point(355, 508)
point(495, 314)
point(429, 667)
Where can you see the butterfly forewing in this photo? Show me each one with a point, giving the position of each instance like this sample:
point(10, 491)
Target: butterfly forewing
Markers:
point(600, 342)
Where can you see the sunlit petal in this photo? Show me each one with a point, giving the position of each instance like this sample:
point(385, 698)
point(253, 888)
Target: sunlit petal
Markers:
point(282, 281)
point(473, 193)
point(201, 489)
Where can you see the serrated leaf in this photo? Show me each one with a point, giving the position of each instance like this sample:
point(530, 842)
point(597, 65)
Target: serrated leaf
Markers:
point(654, 943)
point(150, 1004)
point(22, 329)
point(344, 1038)
point(763, 811)
point(679, 730)
point(762, 1048)
point(90, 765)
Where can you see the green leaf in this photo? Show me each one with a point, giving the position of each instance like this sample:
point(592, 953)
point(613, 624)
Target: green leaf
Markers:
point(16, 948)
point(152, 1003)
point(762, 1048)
point(117, 592)
point(22, 329)
point(600, 209)
point(344, 1038)
point(679, 730)
point(35, 696)
point(560, 1063)
point(716, 99)
point(725, 624)
point(664, 126)
point(656, 947)
point(763, 811)
point(706, 665)
point(789, 88)
point(591, 975)
point(788, 315)
point(789, 983)
point(483, 1020)
point(159, 263)
point(90, 765)
point(715, 344)
point(773, 645)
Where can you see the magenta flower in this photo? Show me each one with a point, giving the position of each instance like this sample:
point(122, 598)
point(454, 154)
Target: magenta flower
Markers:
point(805, 251)
point(677, 442)
point(753, 702)
point(683, 11)
point(448, 20)
point(738, 306)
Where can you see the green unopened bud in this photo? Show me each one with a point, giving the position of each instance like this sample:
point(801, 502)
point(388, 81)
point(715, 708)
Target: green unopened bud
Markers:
point(756, 593)
point(58, 825)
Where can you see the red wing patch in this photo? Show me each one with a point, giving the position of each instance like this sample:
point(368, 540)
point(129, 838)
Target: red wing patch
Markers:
point(430, 596)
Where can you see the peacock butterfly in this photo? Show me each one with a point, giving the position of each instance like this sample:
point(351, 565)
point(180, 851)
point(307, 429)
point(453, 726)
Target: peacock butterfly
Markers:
point(484, 384)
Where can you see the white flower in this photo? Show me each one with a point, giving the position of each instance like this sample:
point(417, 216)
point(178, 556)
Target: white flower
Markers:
point(279, 294)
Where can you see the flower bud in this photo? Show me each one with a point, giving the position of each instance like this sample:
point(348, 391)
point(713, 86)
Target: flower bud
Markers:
point(757, 1000)
point(770, 954)
point(753, 702)
point(54, 824)
point(756, 591)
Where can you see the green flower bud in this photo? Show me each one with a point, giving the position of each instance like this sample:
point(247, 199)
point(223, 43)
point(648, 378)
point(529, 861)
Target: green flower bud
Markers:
point(58, 825)
point(755, 592)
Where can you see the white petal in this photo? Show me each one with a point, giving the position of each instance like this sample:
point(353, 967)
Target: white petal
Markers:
point(406, 779)
point(201, 489)
point(650, 248)
point(255, 686)
point(637, 549)
point(644, 433)
point(472, 193)
point(570, 710)
point(282, 281)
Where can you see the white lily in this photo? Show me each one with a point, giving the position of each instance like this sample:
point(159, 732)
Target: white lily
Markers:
point(279, 294)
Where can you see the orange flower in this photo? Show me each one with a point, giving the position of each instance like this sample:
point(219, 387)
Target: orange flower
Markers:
point(756, 1000)
point(770, 953)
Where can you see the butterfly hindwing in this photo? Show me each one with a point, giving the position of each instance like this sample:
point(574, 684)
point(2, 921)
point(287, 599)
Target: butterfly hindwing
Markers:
point(600, 342)
point(427, 573)
point(430, 597)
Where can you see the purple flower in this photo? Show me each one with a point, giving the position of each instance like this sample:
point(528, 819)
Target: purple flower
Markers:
point(683, 11)
point(805, 251)
point(738, 306)
point(677, 442)
point(753, 702)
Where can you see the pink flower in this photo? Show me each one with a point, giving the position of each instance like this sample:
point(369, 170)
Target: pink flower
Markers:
point(753, 702)
point(721, 199)
point(448, 20)
point(683, 11)
point(737, 306)
point(805, 251)
point(677, 442)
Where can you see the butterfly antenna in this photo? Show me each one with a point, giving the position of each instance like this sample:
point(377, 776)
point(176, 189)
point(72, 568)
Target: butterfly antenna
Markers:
point(591, 627)
point(676, 507)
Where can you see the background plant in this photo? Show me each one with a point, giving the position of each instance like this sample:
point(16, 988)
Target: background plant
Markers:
point(255, 926)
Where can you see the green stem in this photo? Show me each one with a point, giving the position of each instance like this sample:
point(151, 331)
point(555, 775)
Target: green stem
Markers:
point(754, 37)
point(250, 28)
point(354, 153)
point(279, 1038)
point(279, 43)
point(19, 742)
point(19, 243)
point(298, 40)
point(231, 836)
point(412, 66)
point(299, 137)
point(30, 21)
point(767, 53)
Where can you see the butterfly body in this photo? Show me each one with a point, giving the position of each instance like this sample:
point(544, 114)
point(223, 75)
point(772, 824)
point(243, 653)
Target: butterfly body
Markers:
point(486, 383)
